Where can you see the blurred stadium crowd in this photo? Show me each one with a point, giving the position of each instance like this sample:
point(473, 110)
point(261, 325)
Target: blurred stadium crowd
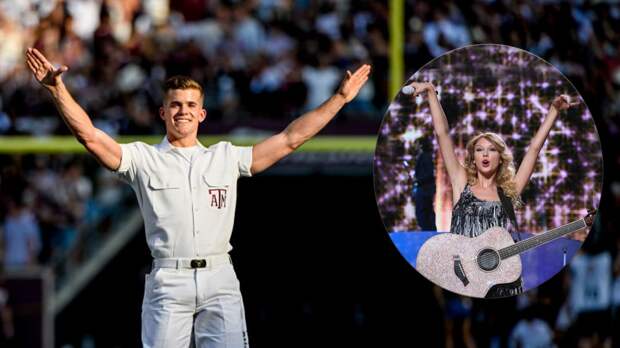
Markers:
point(265, 61)
point(258, 60)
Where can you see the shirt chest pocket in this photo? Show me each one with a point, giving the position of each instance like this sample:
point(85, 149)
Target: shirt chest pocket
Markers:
point(165, 194)
point(218, 191)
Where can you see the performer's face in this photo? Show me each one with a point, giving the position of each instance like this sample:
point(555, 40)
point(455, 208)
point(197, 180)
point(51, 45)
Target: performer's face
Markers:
point(486, 157)
point(182, 111)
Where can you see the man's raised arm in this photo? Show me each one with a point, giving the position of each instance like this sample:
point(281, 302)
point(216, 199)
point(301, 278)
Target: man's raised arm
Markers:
point(272, 149)
point(105, 149)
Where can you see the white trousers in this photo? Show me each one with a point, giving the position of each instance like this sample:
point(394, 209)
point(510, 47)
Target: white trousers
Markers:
point(193, 308)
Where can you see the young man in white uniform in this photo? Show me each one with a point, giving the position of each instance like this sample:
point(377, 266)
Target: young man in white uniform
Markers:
point(187, 195)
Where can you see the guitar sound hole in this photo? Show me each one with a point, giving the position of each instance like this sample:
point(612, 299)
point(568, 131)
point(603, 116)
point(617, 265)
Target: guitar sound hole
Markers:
point(488, 259)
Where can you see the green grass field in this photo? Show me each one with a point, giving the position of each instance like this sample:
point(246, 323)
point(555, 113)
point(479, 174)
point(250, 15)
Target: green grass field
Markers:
point(68, 144)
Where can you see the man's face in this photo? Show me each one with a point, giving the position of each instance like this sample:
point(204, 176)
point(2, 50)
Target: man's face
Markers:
point(182, 112)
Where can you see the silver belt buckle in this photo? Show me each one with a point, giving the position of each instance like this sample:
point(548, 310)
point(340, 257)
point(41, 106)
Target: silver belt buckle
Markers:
point(198, 263)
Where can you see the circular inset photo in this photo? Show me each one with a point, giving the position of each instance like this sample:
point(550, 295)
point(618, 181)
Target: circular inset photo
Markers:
point(488, 171)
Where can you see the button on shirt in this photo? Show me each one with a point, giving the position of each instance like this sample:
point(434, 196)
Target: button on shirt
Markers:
point(187, 202)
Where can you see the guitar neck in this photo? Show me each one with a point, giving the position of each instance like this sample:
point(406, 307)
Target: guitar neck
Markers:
point(540, 239)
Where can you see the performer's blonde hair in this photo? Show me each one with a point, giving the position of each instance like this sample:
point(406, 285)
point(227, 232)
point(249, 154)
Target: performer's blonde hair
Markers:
point(505, 177)
point(182, 82)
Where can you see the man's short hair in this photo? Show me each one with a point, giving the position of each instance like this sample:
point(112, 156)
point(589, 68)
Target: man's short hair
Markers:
point(182, 82)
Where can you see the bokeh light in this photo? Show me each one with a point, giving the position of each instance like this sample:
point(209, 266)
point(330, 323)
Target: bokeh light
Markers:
point(500, 89)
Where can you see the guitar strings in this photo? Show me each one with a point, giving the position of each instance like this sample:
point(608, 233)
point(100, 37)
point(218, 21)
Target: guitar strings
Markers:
point(509, 251)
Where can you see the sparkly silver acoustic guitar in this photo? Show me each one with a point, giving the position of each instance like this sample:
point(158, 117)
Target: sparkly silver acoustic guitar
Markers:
point(471, 266)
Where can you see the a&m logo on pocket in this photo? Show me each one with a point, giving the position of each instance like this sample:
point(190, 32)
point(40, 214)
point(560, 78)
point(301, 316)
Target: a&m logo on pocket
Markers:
point(218, 198)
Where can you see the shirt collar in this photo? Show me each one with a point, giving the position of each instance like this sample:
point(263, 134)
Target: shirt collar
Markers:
point(165, 145)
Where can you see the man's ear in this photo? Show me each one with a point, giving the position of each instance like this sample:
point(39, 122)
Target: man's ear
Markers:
point(162, 113)
point(203, 115)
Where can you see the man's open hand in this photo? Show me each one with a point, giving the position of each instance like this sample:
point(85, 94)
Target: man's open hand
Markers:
point(43, 70)
point(352, 83)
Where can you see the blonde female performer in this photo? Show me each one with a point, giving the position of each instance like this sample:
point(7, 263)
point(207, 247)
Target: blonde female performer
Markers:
point(488, 168)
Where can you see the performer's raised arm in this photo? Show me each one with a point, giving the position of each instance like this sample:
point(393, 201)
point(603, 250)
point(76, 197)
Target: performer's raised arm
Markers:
point(274, 148)
point(528, 163)
point(105, 149)
point(456, 172)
